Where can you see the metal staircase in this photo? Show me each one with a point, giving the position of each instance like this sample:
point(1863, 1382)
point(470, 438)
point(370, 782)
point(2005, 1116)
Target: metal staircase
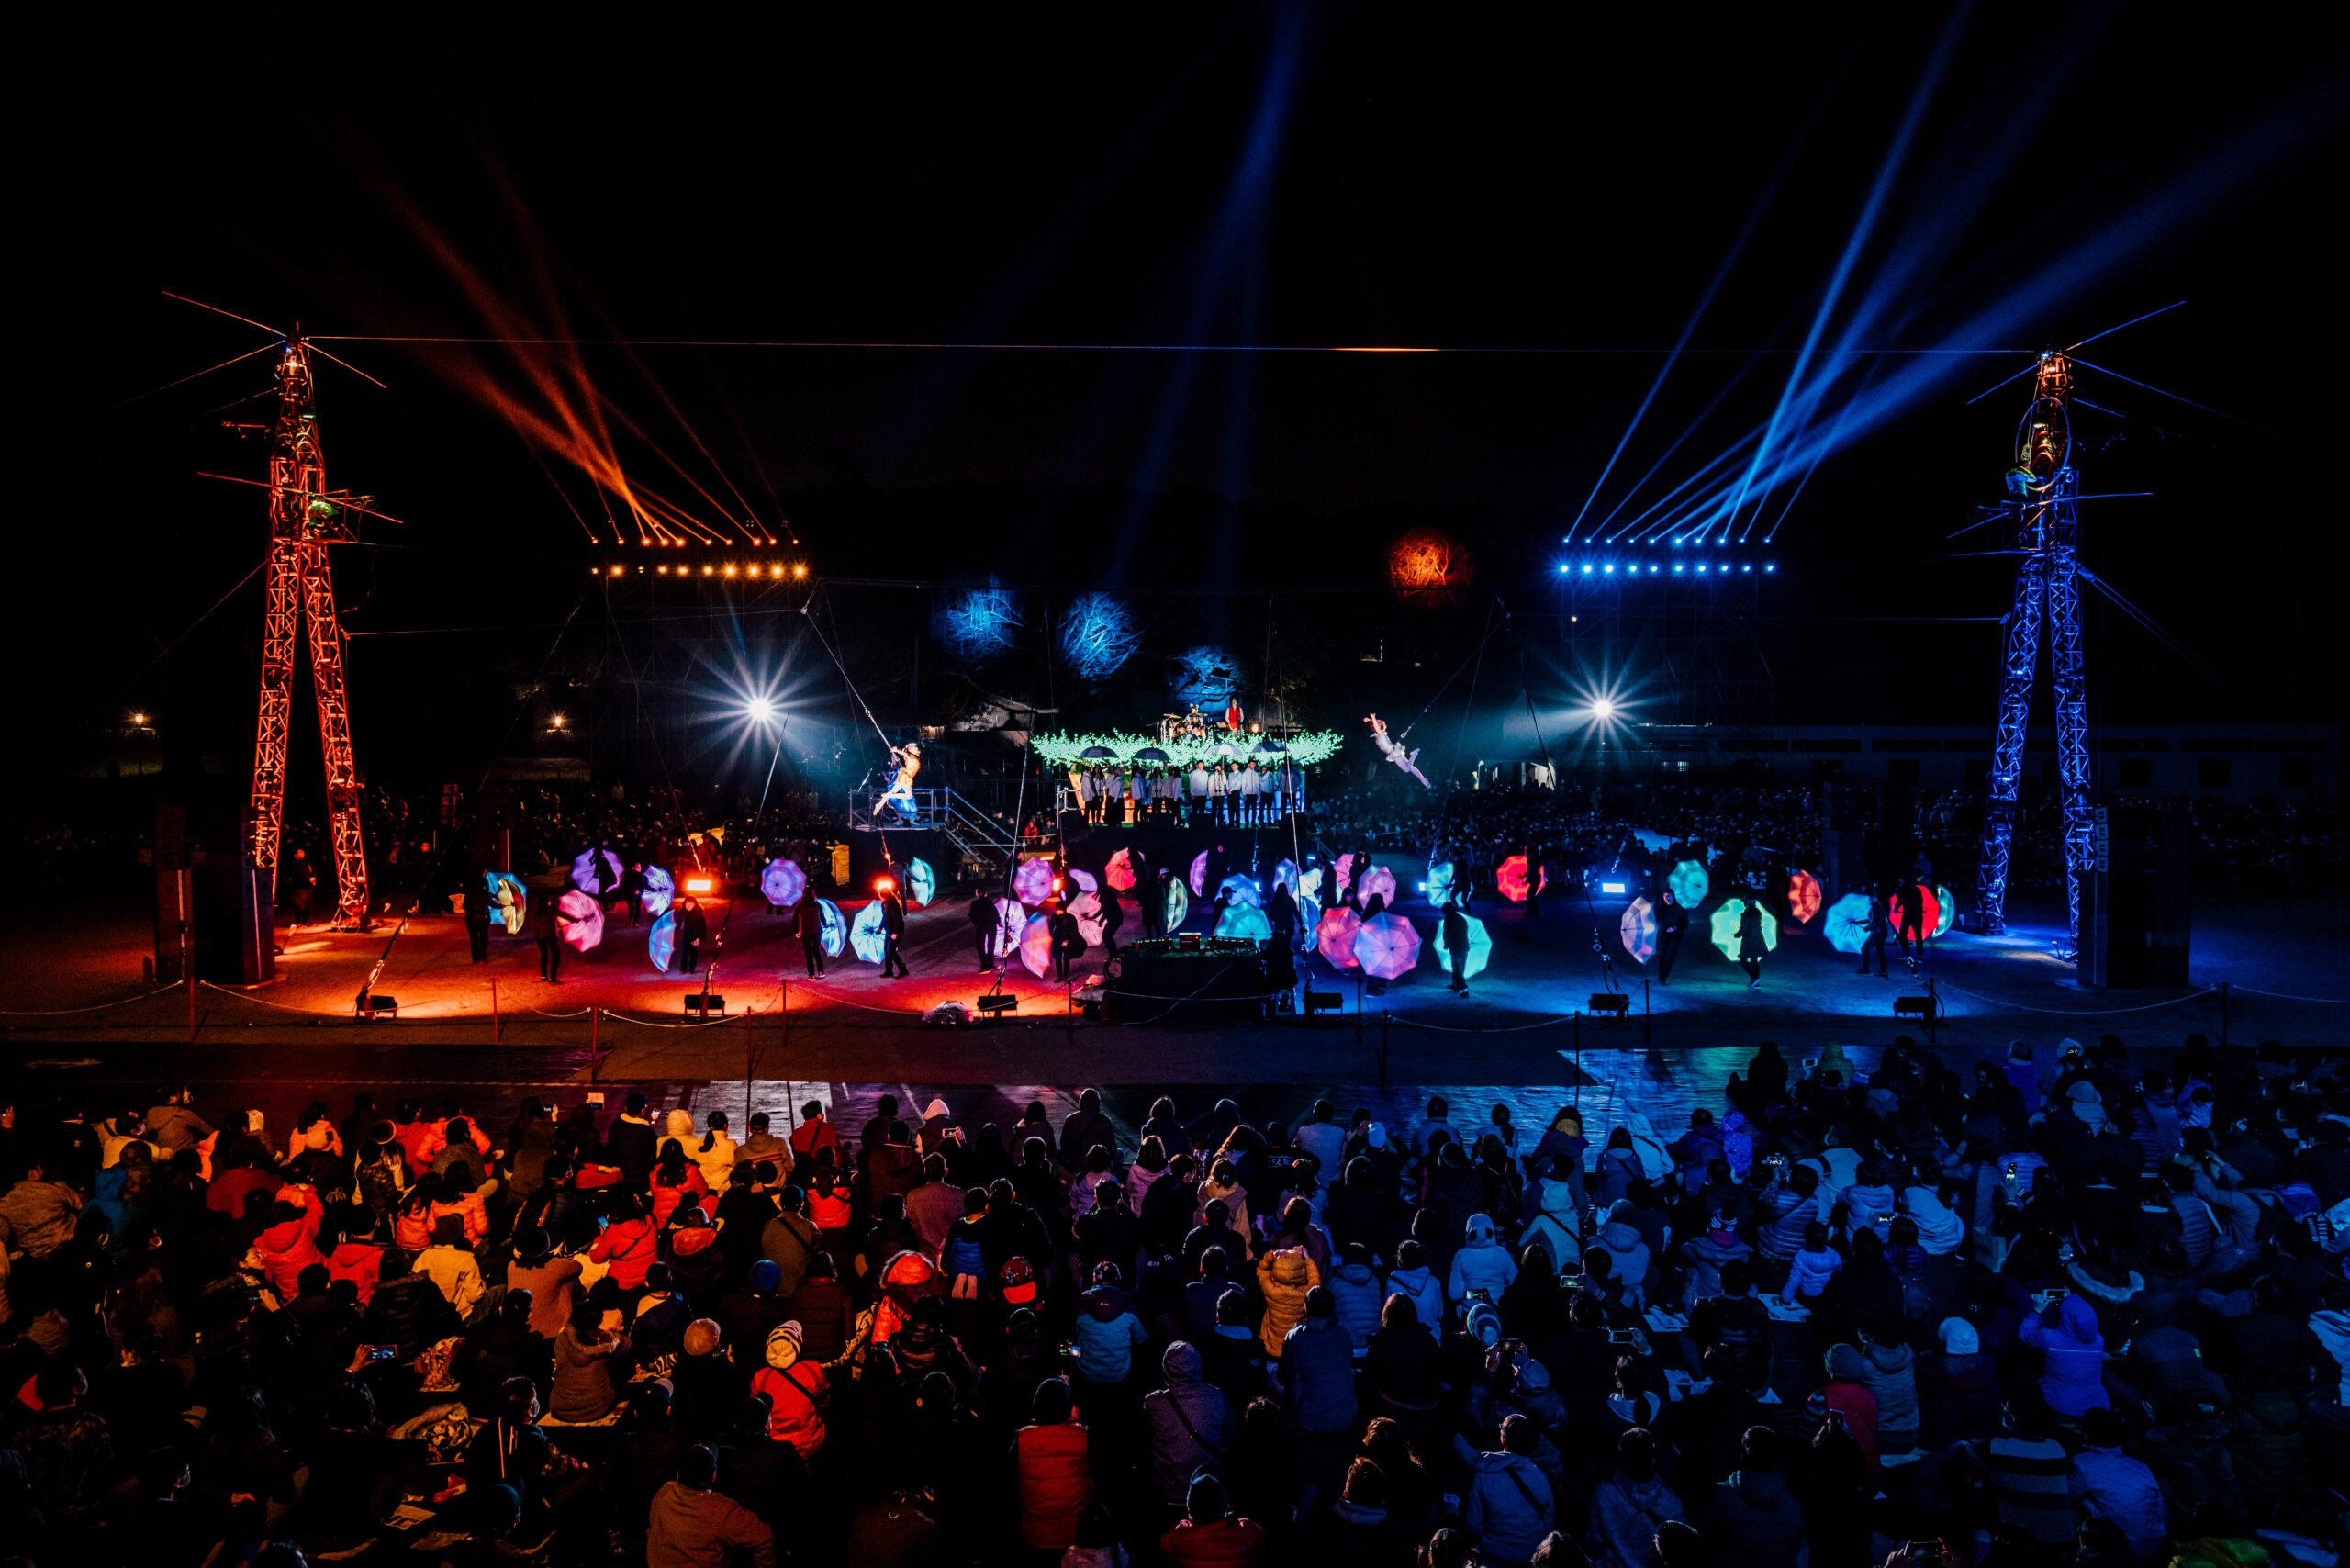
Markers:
point(985, 846)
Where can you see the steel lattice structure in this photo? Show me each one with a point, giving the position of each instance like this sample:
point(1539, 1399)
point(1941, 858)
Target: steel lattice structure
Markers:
point(2047, 488)
point(304, 518)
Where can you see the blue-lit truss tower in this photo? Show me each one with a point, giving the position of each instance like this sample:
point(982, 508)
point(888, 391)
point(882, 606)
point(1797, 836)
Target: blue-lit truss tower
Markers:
point(2045, 489)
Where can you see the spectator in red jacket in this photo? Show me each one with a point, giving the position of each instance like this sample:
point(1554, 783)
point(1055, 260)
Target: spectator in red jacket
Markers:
point(1209, 1535)
point(291, 1243)
point(1055, 1475)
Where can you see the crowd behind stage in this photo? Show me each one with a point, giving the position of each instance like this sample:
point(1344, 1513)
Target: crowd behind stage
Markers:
point(2069, 1308)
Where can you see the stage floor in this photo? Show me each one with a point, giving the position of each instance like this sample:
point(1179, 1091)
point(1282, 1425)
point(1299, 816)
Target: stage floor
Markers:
point(71, 975)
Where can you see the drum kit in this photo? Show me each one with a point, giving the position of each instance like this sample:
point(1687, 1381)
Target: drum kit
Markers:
point(1191, 726)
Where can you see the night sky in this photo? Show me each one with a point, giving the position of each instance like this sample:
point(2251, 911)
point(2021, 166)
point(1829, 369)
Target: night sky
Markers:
point(1548, 205)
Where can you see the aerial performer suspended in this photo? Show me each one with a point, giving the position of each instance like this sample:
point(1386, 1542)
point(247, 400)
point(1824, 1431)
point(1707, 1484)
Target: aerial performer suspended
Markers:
point(902, 790)
point(1393, 750)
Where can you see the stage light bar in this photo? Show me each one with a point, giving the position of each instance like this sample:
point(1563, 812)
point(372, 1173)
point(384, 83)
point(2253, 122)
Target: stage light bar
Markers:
point(1614, 887)
point(699, 884)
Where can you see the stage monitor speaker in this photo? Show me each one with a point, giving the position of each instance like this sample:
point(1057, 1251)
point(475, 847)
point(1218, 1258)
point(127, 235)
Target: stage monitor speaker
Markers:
point(711, 1005)
point(1001, 1002)
point(1615, 1002)
point(1323, 1000)
point(374, 1003)
point(1919, 1007)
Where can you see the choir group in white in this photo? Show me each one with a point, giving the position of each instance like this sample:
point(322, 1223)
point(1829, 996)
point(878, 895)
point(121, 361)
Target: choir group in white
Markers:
point(1238, 793)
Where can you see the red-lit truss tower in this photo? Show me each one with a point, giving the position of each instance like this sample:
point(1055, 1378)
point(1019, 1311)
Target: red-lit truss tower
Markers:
point(304, 519)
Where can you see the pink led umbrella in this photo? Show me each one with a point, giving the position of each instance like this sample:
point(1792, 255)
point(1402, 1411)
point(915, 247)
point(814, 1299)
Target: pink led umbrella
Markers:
point(1036, 945)
point(1083, 880)
point(1387, 947)
point(1377, 879)
point(1200, 875)
point(1334, 937)
point(1639, 927)
point(1120, 872)
point(1087, 907)
point(1033, 883)
point(1345, 868)
point(1008, 918)
point(583, 919)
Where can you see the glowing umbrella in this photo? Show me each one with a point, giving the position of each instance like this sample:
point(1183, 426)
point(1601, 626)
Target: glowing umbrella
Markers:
point(1377, 879)
point(1096, 752)
point(1724, 926)
point(1152, 754)
point(1309, 912)
point(1387, 947)
point(1473, 961)
point(921, 883)
point(1309, 884)
point(783, 882)
point(1087, 907)
point(593, 870)
point(1036, 945)
point(1689, 884)
point(583, 919)
point(1244, 921)
point(1345, 867)
point(1334, 937)
point(1120, 872)
point(1803, 897)
point(1933, 919)
point(1033, 883)
point(1286, 871)
point(1654, 842)
point(661, 942)
point(834, 933)
point(1084, 879)
point(1949, 911)
point(1179, 905)
point(1200, 874)
point(508, 900)
point(1847, 924)
point(1514, 878)
point(1638, 928)
point(1440, 881)
point(660, 889)
point(1009, 918)
point(865, 937)
point(1243, 890)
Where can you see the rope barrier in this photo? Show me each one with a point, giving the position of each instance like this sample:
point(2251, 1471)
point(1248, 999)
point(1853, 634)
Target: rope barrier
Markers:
point(1491, 1029)
point(2076, 1012)
point(95, 1007)
point(2289, 996)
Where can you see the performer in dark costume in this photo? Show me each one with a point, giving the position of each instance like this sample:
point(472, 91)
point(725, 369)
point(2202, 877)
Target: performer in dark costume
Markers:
point(893, 932)
point(983, 927)
point(1878, 933)
point(809, 924)
point(692, 926)
point(1750, 945)
point(546, 924)
point(477, 918)
point(1671, 921)
point(1456, 945)
point(1912, 901)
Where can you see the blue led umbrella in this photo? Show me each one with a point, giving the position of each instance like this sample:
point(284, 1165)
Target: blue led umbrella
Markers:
point(1244, 890)
point(921, 883)
point(1689, 884)
point(835, 934)
point(1244, 921)
point(508, 900)
point(864, 935)
point(1439, 883)
point(661, 942)
point(1847, 923)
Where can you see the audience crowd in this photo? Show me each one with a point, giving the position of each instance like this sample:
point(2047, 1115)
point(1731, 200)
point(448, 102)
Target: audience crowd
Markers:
point(2065, 1307)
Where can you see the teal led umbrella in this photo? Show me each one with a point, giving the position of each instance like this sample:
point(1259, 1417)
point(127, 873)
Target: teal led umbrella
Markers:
point(833, 934)
point(1948, 906)
point(1439, 883)
point(1689, 884)
point(1723, 927)
point(921, 883)
point(1244, 921)
point(865, 937)
point(1474, 960)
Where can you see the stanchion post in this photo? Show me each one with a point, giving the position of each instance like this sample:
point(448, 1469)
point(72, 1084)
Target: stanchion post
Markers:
point(594, 1029)
point(496, 1026)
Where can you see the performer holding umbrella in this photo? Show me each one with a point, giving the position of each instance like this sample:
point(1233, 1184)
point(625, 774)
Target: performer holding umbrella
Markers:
point(1751, 942)
point(1671, 921)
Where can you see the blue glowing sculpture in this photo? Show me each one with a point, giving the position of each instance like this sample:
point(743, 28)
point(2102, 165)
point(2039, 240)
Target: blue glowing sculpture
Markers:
point(1097, 636)
point(1205, 676)
point(979, 623)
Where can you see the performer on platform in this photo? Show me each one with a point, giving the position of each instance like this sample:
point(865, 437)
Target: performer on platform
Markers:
point(908, 758)
point(1671, 921)
point(809, 922)
point(1875, 942)
point(1750, 945)
point(893, 932)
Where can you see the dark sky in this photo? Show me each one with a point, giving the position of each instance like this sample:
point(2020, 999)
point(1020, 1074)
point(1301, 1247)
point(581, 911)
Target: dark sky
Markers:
point(1547, 203)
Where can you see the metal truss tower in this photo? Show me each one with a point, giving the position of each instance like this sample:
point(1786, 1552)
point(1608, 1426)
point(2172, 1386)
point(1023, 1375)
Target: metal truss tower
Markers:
point(304, 519)
point(2046, 489)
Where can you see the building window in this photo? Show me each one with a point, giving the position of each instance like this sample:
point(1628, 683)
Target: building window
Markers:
point(2295, 773)
point(2135, 773)
point(1901, 770)
point(2214, 772)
